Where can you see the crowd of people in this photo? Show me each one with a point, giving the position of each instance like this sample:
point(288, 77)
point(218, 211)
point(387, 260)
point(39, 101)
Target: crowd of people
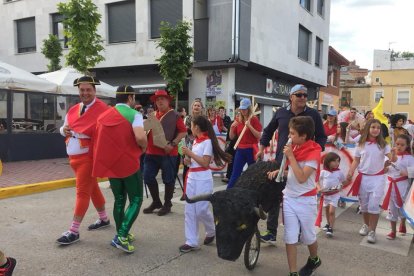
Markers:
point(116, 143)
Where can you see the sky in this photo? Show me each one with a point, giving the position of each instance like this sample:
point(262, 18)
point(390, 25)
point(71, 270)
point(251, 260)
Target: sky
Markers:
point(358, 27)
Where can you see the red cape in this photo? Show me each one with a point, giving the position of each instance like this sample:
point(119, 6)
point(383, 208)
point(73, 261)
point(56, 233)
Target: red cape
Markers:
point(86, 123)
point(116, 153)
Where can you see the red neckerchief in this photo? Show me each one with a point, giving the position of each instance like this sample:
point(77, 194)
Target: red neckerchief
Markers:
point(331, 170)
point(202, 137)
point(403, 153)
point(371, 141)
point(310, 150)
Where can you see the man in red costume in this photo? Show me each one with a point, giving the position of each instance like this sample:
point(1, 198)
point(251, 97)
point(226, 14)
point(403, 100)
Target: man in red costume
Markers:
point(157, 158)
point(79, 129)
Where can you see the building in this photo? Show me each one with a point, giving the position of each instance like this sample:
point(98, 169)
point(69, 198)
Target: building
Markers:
point(355, 87)
point(243, 48)
point(393, 79)
point(329, 95)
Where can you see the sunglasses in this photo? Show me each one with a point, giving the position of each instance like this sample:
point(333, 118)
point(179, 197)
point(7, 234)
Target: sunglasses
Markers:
point(300, 95)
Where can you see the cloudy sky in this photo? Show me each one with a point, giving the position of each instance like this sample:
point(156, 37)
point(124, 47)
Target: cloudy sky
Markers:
point(360, 26)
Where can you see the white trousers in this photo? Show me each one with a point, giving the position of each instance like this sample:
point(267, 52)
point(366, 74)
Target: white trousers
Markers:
point(299, 217)
point(198, 212)
point(371, 193)
point(393, 210)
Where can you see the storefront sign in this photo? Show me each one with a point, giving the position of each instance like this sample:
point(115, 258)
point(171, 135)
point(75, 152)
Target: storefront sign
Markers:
point(278, 87)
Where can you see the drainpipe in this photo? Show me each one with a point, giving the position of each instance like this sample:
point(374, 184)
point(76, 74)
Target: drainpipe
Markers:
point(235, 31)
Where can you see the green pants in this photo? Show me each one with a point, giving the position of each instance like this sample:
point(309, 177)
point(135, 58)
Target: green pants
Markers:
point(130, 186)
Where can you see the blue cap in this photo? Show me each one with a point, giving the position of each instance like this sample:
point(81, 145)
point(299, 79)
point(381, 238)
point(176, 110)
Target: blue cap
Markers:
point(298, 87)
point(332, 112)
point(245, 103)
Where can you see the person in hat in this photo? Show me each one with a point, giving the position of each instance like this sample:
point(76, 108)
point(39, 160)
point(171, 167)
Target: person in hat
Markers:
point(120, 140)
point(79, 130)
point(165, 158)
point(331, 125)
point(245, 150)
point(297, 107)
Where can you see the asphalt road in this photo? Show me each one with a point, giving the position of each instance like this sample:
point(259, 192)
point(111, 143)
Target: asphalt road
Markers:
point(29, 226)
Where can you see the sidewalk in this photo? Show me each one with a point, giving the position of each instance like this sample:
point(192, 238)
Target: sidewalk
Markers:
point(35, 171)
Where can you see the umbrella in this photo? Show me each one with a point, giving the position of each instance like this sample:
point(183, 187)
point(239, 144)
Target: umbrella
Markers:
point(64, 79)
point(14, 78)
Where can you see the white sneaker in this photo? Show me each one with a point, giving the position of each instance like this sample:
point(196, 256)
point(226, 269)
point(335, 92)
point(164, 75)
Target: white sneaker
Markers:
point(364, 230)
point(371, 237)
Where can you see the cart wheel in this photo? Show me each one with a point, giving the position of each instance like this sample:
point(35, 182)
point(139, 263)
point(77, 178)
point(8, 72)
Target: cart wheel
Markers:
point(252, 250)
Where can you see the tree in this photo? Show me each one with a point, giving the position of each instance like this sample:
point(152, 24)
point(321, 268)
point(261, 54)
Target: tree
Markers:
point(52, 51)
point(175, 61)
point(81, 19)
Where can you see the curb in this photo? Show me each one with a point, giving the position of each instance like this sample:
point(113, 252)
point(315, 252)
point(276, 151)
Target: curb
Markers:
point(40, 187)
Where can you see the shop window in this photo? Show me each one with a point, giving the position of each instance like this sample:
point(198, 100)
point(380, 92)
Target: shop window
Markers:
point(121, 22)
point(26, 35)
point(164, 10)
point(3, 111)
point(304, 43)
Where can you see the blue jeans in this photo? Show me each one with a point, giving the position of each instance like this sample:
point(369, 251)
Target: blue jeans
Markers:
point(242, 157)
point(153, 164)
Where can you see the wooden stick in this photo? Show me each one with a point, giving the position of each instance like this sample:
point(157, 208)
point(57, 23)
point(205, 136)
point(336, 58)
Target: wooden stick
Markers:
point(245, 127)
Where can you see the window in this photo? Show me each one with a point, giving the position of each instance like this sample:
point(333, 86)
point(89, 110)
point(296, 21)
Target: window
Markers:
point(304, 43)
point(164, 10)
point(403, 97)
point(320, 8)
point(378, 95)
point(377, 79)
point(58, 28)
point(346, 98)
point(26, 35)
point(318, 52)
point(121, 22)
point(305, 4)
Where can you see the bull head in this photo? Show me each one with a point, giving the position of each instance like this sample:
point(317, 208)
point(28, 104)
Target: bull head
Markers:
point(236, 215)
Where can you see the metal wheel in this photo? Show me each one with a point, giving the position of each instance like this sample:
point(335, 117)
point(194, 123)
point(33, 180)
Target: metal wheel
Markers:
point(252, 250)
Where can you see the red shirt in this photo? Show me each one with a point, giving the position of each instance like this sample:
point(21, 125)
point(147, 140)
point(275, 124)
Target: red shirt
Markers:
point(219, 121)
point(329, 131)
point(248, 139)
point(152, 149)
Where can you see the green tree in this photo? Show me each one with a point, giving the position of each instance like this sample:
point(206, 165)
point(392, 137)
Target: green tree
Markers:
point(81, 19)
point(175, 61)
point(52, 51)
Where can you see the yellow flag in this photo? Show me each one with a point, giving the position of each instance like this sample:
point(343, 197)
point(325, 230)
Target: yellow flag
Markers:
point(379, 112)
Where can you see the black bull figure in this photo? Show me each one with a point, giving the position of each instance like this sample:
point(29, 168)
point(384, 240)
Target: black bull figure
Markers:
point(237, 210)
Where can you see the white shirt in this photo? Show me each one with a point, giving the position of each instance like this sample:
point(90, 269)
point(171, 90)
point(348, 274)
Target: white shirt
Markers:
point(402, 163)
point(293, 187)
point(372, 157)
point(329, 179)
point(201, 149)
point(73, 147)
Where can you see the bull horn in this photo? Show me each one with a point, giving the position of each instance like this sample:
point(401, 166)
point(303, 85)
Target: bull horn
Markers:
point(203, 197)
point(260, 213)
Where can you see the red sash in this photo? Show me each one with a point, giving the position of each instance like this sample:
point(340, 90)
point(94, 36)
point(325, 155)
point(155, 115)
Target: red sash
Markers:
point(393, 183)
point(116, 152)
point(198, 169)
point(357, 183)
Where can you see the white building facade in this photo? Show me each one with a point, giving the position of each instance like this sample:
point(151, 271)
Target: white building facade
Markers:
point(243, 48)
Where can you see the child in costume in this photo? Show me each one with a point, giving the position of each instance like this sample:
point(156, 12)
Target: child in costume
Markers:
point(200, 181)
point(299, 200)
point(330, 177)
point(370, 183)
point(120, 140)
point(398, 184)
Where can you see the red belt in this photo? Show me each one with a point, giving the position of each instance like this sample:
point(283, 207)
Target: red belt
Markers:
point(313, 192)
point(393, 183)
point(198, 169)
point(320, 209)
point(357, 183)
